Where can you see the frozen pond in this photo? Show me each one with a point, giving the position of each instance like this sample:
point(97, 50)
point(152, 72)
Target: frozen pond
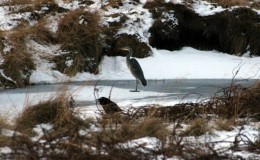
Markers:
point(160, 90)
point(163, 92)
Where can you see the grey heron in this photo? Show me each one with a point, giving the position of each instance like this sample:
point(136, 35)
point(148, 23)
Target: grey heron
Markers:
point(109, 106)
point(134, 68)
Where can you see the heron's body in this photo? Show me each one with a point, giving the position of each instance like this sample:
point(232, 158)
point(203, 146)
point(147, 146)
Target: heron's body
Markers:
point(109, 106)
point(135, 68)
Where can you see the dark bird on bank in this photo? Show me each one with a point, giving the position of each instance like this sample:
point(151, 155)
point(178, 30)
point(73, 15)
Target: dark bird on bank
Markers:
point(134, 68)
point(109, 106)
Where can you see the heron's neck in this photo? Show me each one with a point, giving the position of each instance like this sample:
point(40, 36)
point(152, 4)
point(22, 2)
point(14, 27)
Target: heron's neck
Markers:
point(129, 55)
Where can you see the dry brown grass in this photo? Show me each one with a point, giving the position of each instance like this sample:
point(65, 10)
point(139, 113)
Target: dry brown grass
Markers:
point(4, 124)
point(129, 128)
point(18, 66)
point(255, 5)
point(41, 34)
point(24, 2)
point(224, 124)
point(229, 3)
point(65, 135)
point(197, 127)
point(56, 111)
point(105, 138)
point(113, 4)
point(18, 63)
point(34, 7)
point(256, 90)
point(79, 36)
point(236, 102)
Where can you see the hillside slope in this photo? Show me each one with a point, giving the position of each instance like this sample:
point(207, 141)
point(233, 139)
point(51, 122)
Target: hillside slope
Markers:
point(71, 37)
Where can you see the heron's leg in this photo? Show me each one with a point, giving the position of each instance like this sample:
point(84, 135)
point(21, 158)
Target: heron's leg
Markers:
point(136, 85)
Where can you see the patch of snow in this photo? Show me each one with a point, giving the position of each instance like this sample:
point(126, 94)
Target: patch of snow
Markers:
point(8, 133)
point(69, 63)
point(52, 22)
point(10, 20)
point(225, 139)
point(7, 20)
point(44, 72)
point(187, 63)
point(204, 8)
point(71, 6)
point(39, 130)
point(146, 143)
point(169, 16)
point(138, 23)
point(246, 155)
point(174, 1)
point(5, 150)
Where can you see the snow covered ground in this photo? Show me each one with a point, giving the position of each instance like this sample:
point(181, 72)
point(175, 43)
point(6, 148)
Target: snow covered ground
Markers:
point(187, 63)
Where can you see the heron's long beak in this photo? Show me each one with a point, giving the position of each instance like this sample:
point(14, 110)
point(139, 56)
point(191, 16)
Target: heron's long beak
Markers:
point(124, 49)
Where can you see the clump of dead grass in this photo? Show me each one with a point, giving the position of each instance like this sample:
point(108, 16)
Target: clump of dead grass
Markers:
point(79, 36)
point(224, 124)
point(112, 3)
point(18, 63)
point(4, 123)
point(230, 3)
point(41, 34)
point(27, 2)
point(55, 111)
point(129, 128)
point(197, 127)
point(18, 66)
point(235, 102)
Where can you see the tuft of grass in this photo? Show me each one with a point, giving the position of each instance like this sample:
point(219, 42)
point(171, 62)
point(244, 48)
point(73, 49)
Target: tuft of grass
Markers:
point(113, 4)
point(55, 111)
point(140, 49)
point(79, 35)
point(17, 2)
point(41, 34)
point(132, 129)
point(197, 127)
point(4, 123)
point(256, 90)
point(224, 124)
point(255, 5)
point(235, 102)
point(230, 3)
point(27, 2)
point(18, 65)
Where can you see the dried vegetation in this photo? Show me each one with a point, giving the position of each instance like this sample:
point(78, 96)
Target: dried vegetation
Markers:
point(79, 35)
point(111, 136)
point(230, 3)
